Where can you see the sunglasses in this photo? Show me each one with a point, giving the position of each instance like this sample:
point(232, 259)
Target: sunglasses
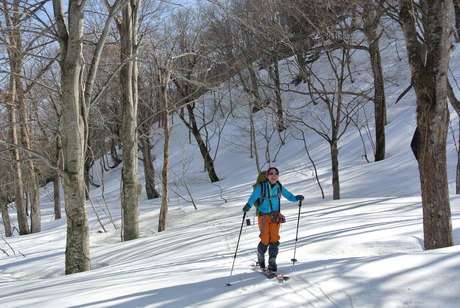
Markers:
point(273, 173)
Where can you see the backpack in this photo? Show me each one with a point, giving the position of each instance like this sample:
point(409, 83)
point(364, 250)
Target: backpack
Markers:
point(261, 179)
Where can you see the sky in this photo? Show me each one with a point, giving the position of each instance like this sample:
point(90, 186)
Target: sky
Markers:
point(364, 250)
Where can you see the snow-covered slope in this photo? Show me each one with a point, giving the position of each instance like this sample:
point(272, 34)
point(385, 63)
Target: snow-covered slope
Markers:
point(365, 250)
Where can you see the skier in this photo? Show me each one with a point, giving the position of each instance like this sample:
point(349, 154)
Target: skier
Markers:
point(269, 217)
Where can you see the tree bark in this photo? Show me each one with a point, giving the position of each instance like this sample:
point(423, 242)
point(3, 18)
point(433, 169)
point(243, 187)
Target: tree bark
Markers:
point(278, 100)
point(149, 170)
point(456, 104)
point(57, 195)
point(193, 127)
point(73, 142)
point(6, 217)
point(457, 18)
point(57, 180)
point(17, 168)
point(335, 170)
point(128, 81)
point(371, 22)
point(13, 44)
point(457, 172)
point(429, 74)
point(164, 172)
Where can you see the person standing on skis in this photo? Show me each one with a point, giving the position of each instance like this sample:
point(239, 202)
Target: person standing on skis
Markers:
point(269, 193)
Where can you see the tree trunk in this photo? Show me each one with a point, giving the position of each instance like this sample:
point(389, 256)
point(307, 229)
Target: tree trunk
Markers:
point(73, 141)
point(114, 154)
point(278, 99)
point(57, 180)
point(253, 139)
point(254, 90)
point(429, 72)
point(31, 182)
point(57, 196)
point(457, 19)
point(149, 169)
point(128, 77)
point(208, 161)
point(13, 44)
point(164, 172)
point(433, 121)
point(457, 173)
point(335, 170)
point(6, 217)
point(371, 26)
point(17, 169)
point(88, 164)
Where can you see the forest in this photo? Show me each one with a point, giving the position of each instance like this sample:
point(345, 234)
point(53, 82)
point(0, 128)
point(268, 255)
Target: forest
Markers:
point(104, 81)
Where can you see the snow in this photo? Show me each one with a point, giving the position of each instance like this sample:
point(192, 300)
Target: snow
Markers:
point(365, 250)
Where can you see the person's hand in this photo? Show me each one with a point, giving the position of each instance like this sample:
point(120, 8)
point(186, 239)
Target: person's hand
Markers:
point(299, 197)
point(246, 208)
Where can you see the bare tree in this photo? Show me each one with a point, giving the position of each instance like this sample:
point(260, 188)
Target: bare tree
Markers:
point(70, 36)
point(17, 15)
point(429, 60)
point(149, 101)
point(7, 193)
point(193, 75)
point(371, 15)
point(164, 76)
point(75, 99)
point(131, 189)
point(16, 158)
point(456, 104)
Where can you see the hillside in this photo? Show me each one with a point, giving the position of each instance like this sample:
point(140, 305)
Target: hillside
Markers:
point(365, 250)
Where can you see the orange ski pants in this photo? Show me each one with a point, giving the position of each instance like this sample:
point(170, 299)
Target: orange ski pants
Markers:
point(269, 231)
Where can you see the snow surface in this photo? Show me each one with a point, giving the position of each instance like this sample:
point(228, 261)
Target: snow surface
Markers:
point(365, 250)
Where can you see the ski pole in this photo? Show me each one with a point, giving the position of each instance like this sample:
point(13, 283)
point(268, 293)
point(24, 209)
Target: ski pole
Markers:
point(236, 250)
point(294, 260)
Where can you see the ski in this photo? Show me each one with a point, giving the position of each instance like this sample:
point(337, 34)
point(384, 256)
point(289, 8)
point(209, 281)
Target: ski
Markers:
point(269, 274)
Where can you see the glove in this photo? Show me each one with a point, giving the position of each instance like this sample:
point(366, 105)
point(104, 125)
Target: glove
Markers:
point(299, 197)
point(246, 208)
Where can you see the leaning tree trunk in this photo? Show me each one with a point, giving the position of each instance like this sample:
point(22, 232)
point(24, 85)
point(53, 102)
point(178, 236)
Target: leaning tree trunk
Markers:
point(128, 78)
point(429, 75)
point(208, 161)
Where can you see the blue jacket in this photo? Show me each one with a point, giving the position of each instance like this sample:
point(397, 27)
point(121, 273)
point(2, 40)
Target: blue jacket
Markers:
point(265, 206)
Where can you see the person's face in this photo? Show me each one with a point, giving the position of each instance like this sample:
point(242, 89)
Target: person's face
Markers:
point(272, 176)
